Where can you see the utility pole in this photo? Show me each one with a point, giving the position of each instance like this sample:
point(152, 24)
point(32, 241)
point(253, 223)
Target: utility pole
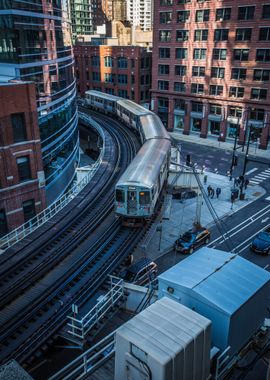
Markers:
point(248, 130)
point(234, 157)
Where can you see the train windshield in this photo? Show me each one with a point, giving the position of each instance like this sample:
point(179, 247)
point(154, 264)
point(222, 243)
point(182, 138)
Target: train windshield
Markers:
point(119, 195)
point(144, 197)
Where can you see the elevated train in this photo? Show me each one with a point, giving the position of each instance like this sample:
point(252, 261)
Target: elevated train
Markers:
point(139, 188)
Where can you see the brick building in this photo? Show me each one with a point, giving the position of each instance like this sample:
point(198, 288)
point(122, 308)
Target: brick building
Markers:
point(22, 183)
point(211, 69)
point(119, 70)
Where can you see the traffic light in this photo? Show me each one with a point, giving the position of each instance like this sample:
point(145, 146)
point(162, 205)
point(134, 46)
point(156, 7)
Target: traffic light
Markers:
point(235, 160)
point(188, 160)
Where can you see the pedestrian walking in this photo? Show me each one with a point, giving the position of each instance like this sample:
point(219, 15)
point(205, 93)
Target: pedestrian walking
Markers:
point(205, 179)
point(246, 183)
point(218, 191)
point(212, 193)
point(209, 188)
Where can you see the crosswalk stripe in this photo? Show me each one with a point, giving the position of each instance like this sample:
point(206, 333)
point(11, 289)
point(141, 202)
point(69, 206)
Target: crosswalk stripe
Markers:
point(267, 170)
point(260, 176)
point(256, 182)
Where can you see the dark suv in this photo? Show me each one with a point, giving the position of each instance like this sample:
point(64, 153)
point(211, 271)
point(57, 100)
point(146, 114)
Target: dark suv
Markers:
point(191, 240)
point(140, 273)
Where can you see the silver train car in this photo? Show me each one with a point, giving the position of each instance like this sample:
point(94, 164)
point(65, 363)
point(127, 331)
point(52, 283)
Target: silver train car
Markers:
point(137, 191)
point(100, 101)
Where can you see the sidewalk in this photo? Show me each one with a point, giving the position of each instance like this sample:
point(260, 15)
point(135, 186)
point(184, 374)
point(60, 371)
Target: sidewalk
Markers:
point(214, 143)
point(182, 215)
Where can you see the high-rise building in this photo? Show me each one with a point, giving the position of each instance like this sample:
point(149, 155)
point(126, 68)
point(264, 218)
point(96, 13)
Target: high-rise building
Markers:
point(22, 185)
point(211, 70)
point(80, 13)
point(124, 71)
point(139, 13)
point(35, 45)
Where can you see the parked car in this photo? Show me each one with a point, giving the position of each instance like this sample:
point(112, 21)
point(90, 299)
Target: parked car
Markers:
point(191, 240)
point(141, 272)
point(261, 242)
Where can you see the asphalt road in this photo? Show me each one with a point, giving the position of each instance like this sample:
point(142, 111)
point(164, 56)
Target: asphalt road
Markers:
point(241, 227)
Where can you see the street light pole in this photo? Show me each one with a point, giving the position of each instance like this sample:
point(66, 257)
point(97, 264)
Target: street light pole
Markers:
point(234, 149)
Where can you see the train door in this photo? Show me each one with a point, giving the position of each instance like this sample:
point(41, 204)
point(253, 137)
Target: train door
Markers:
point(131, 202)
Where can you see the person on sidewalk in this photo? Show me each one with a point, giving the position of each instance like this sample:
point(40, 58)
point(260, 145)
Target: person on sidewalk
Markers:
point(205, 179)
point(212, 193)
point(209, 188)
point(246, 183)
point(218, 191)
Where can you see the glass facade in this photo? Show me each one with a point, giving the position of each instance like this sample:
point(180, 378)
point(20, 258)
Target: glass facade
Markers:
point(35, 45)
point(81, 17)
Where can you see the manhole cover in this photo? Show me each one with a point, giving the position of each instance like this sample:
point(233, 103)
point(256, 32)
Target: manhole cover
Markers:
point(257, 193)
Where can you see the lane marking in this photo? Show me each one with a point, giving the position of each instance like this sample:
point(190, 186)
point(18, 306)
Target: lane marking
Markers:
point(264, 220)
point(249, 239)
point(267, 199)
point(246, 223)
point(251, 171)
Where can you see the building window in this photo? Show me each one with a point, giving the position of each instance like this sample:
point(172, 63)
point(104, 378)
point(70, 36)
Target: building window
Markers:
point(197, 88)
point(179, 86)
point(258, 94)
point(182, 35)
point(179, 104)
point(122, 79)
point(164, 69)
point(164, 52)
point(202, 15)
point(163, 106)
point(217, 72)
point(109, 77)
point(163, 85)
point(18, 127)
point(266, 12)
point(197, 107)
point(240, 54)
point(246, 13)
point(180, 70)
point(198, 71)
point(256, 114)
point(199, 53)
point(196, 124)
point(201, 35)
point(216, 90)
point(236, 92)
point(235, 112)
point(238, 73)
point(108, 61)
point(215, 109)
point(165, 17)
point(223, 14)
point(220, 54)
point(214, 127)
point(181, 53)
point(109, 91)
point(24, 170)
point(165, 35)
point(95, 61)
point(263, 55)
point(221, 35)
point(166, 2)
point(96, 76)
point(261, 75)
point(122, 63)
point(3, 223)
point(183, 16)
point(123, 94)
point(183, 1)
point(28, 209)
point(264, 34)
point(243, 34)
point(233, 130)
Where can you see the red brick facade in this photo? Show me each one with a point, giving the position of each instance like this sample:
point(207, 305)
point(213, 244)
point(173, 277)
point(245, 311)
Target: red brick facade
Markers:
point(120, 70)
point(18, 102)
point(211, 68)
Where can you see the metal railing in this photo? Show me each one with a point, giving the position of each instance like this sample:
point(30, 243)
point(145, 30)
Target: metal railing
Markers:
point(81, 327)
point(31, 225)
point(89, 361)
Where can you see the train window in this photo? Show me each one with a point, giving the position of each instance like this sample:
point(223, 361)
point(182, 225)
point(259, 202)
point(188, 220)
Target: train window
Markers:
point(144, 197)
point(119, 195)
